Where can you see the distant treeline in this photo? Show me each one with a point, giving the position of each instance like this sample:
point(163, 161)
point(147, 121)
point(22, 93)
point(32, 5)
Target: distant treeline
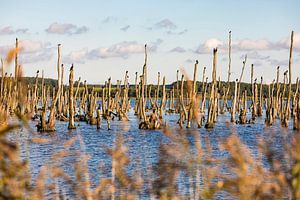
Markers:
point(98, 87)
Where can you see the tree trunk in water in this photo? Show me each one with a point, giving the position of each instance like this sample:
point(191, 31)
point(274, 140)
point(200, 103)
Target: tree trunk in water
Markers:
point(71, 99)
point(286, 119)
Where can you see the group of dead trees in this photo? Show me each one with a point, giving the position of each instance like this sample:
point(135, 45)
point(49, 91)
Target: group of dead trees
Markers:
point(84, 105)
point(190, 99)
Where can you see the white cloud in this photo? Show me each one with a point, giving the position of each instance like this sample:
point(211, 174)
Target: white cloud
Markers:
point(209, 45)
point(31, 51)
point(35, 51)
point(43, 55)
point(69, 29)
point(122, 49)
point(119, 50)
point(8, 30)
point(248, 45)
point(286, 42)
point(30, 46)
point(76, 57)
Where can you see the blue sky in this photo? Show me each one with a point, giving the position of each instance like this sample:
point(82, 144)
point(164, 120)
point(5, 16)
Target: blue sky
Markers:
point(105, 38)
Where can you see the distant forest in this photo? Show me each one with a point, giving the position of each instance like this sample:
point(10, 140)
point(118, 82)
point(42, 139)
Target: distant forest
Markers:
point(98, 87)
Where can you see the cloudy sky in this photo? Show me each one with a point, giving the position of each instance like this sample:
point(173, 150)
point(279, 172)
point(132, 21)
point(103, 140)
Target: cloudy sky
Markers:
point(106, 38)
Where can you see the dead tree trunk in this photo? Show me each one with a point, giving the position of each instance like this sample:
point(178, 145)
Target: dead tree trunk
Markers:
point(233, 106)
point(239, 84)
point(193, 97)
point(254, 109)
point(2, 79)
point(16, 62)
point(213, 95)
point(71, 99)
point(260, 105)
point(225, 103)
point(58, 78)
point(286, 119)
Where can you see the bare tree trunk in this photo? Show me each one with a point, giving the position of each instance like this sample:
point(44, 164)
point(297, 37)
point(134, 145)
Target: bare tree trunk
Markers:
point(157, 90)
point(243, 112)
point(229, 72)
point(286, 119)
point(254, 109)
point(213, 95)
point(71, 100)
point(177, 92)
point(16, 62)
point(233, 106)
point(193, 97)
point(259, 111)
point(2, 79)
point(276, 102)
point(58, 78)
point(239, 84)
point(183, 112)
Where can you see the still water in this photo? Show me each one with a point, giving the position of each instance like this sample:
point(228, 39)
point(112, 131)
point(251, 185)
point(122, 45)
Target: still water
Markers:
point(142, 145)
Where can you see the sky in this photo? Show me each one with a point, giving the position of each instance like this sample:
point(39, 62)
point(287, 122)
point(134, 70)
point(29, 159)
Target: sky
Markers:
point(106, 38)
